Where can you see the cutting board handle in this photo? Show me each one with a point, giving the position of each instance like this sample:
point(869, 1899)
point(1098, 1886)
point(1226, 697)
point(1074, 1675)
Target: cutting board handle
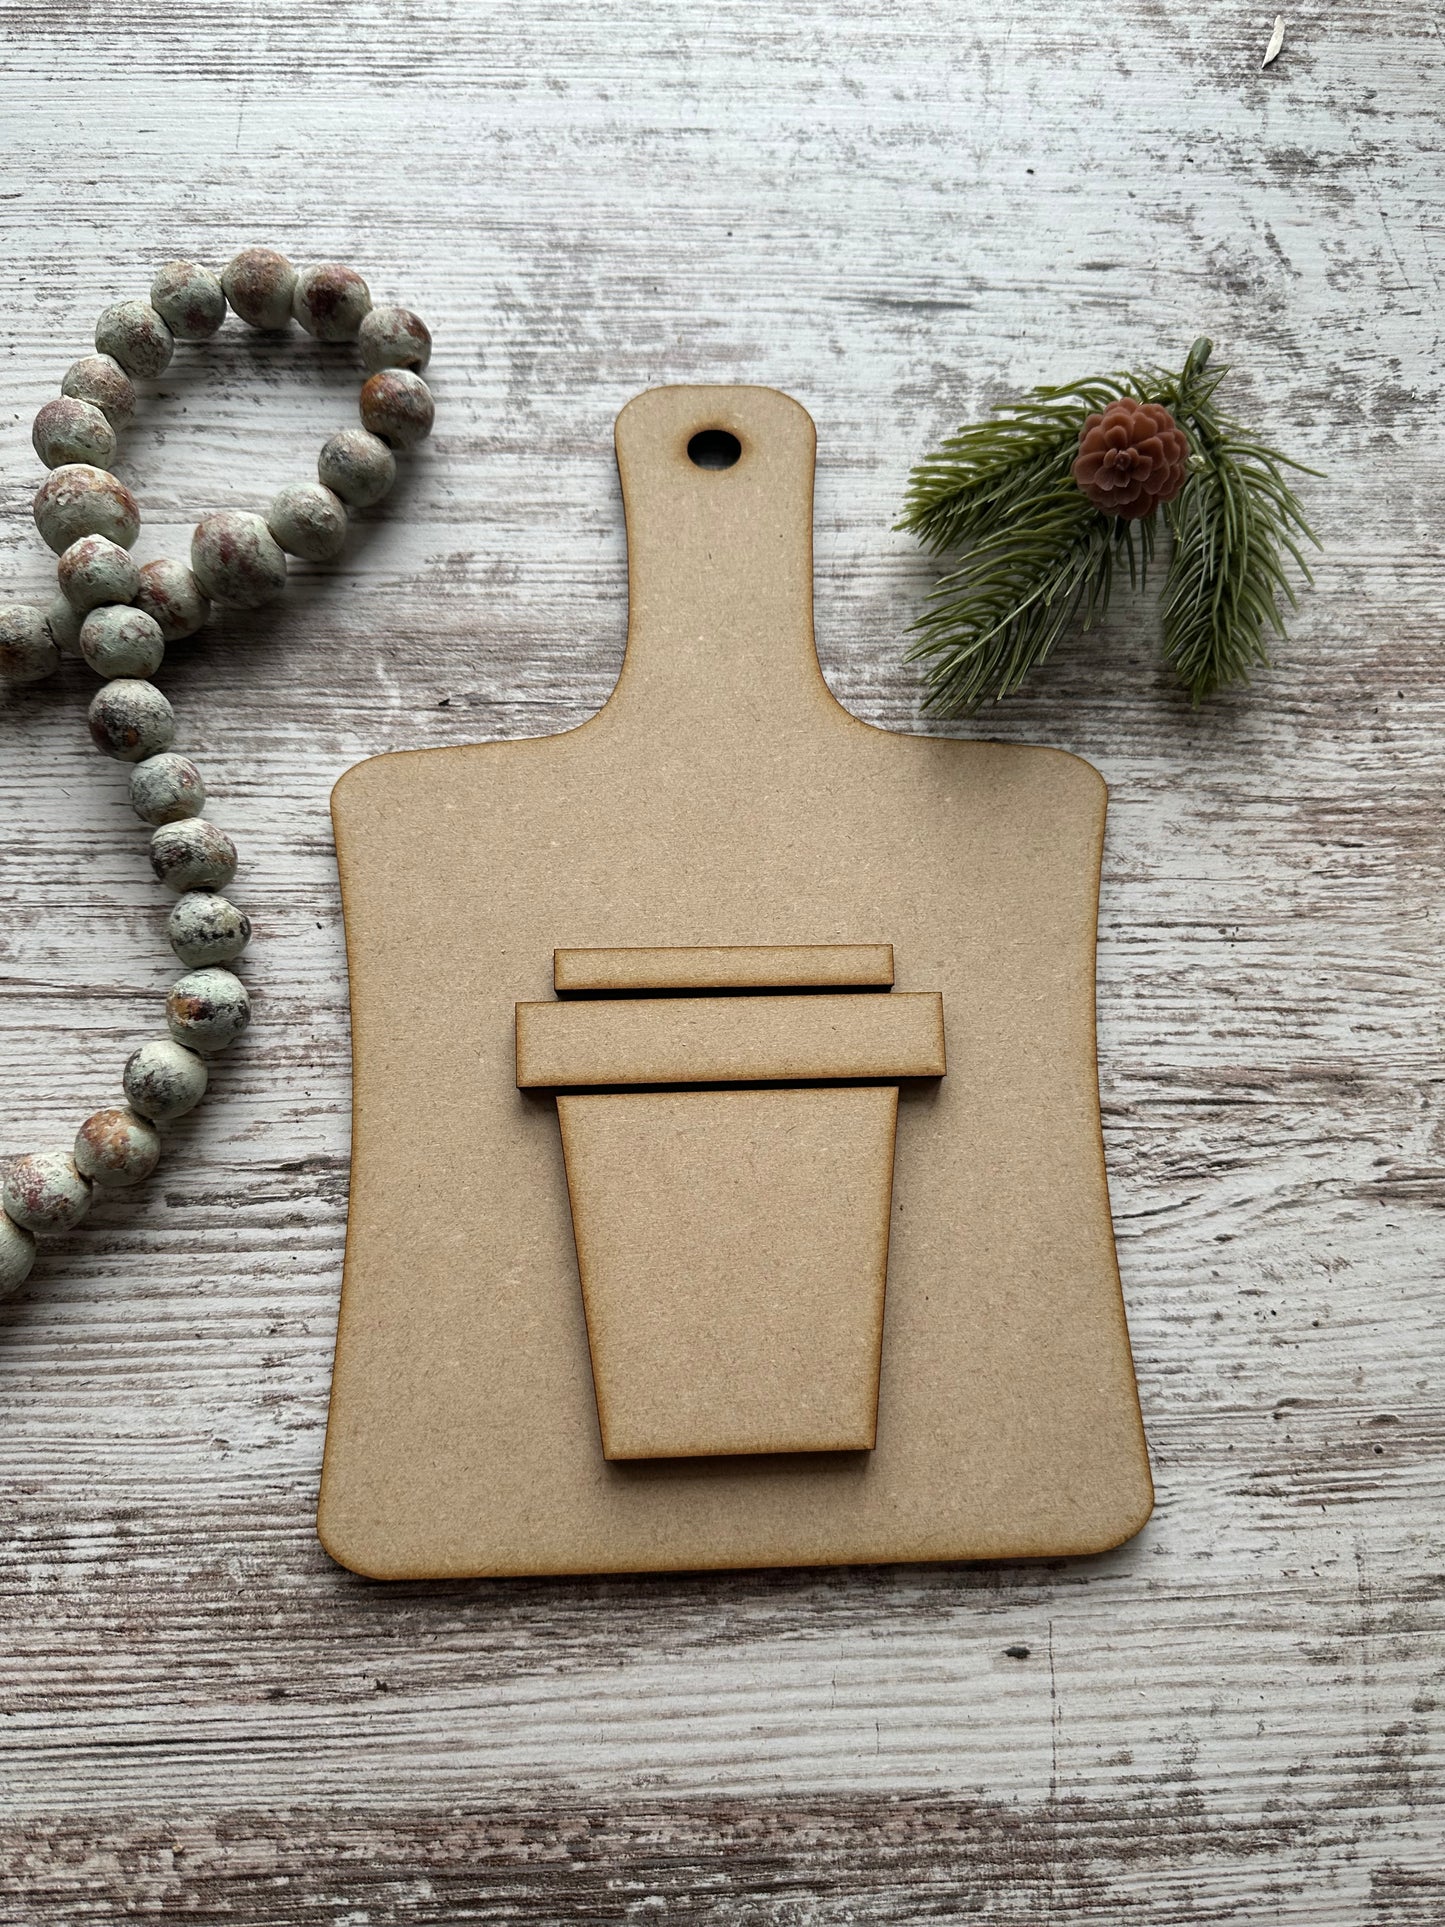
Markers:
point(719, 563)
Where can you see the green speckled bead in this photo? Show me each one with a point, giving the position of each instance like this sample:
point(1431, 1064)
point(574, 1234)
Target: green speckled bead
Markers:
point(331, 301)
point(397, 406)
point(206, 929)
point(358, 467)
point(27, 649)
point(130, 720)
point(116, 1148)
point(192, 854)
point(80, 500)
point(102, 380)
point(236, 560)
point(259, 284)
point(94, 571)
point(172, 597)
point(163, 1080)
point(308, 520)
point(132, 333)
point(45, 1192)
point(394, 338)
point(166, 789)
point(189, 299)
point(67, 430)
point(64, 625)
point(207, 1009)
point(17, 1255)
point(120, 641)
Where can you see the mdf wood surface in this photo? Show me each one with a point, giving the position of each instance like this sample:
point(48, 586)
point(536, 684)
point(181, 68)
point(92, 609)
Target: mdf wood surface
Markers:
point(723, 794)
point(896, 213)
point(735, 967)
point(729, 1040)
point(734, 1297)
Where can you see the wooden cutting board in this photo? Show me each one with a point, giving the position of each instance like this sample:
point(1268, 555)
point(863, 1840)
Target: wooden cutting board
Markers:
point(722, 798)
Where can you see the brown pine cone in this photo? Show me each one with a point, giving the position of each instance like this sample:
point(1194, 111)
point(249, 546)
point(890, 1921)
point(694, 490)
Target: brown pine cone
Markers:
point(1131, 458)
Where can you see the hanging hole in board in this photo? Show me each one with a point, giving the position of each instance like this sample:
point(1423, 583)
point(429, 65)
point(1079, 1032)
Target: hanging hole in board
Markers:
point(714, 448)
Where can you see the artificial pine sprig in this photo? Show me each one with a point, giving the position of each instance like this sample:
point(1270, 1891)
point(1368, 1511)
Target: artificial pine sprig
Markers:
point(1039, 557)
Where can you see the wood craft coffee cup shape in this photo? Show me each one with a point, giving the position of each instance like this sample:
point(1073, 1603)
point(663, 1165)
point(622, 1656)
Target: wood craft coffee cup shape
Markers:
point(691, 1242)
point(731, 1219)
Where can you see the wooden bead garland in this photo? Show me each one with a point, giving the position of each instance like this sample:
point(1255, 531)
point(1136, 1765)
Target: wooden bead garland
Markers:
point(120, 619)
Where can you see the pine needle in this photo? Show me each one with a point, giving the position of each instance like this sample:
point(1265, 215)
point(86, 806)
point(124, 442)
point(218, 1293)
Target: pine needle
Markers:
point(1025, 584)
point(1039, 560)
point(990, 468)
point(1233, 523)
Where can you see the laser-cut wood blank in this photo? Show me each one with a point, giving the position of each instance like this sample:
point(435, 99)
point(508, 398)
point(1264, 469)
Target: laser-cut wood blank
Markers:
point(733, 1249)
point(728, 1040)
point(819, 966)
point(721, 801)
point(732, 1244)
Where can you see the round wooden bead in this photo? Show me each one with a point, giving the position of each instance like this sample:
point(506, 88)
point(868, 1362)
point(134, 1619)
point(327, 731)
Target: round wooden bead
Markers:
point(331, 301)
point(102, 380)
point(166, 789)
point(205, 929)
point(259, 284)
point(358, 467)
point(163, 1080)
point(130, 720)
point(132, 333)
point(192, 854)
point(394, 338)
point(17, 1255)
point(81, 500)
point(95, 570)
point(236, 560)
point(27, 650)
point(67, 430)
point(397, 406)
point(119, 641)
point(189, 299)
point(45, 1192)
point(64, 625)
point(172, 598)
point(116, 1148)
point(207, 1009)
point(308, 520)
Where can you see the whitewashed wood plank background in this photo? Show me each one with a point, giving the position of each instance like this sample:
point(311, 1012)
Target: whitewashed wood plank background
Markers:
point(897, 212)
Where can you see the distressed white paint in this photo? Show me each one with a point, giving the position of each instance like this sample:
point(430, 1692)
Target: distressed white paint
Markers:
point(896, 212)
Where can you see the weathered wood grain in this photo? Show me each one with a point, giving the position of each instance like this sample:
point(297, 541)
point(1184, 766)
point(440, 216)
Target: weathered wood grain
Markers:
point(896, 213)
